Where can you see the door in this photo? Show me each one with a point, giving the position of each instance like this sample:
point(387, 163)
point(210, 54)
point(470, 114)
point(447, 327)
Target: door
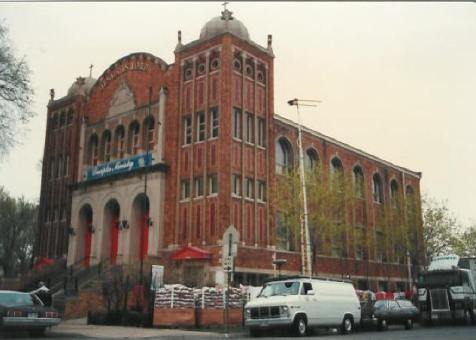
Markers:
point(114, 238)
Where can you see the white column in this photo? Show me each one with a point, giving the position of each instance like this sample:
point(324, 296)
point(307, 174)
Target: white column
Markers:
point(160, 137)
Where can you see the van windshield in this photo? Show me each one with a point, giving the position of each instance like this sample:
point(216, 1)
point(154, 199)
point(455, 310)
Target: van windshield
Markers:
point(280, 288)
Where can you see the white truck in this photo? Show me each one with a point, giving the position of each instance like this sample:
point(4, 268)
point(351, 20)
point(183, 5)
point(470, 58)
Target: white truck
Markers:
point(301, 303)
point(447, 290)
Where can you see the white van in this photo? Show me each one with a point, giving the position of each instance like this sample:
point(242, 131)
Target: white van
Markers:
point(301, 303)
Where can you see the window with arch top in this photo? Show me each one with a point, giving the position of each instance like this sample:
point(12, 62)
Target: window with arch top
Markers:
point(394, 193)
point(134, 138)
point(284, 156)
point(310, 159)
point(377, 189)
point(337, 174)
point(358, 182)
point(93, 150)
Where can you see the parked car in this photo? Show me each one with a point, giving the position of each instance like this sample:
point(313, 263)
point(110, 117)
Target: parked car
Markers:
point(382, 313)
point(301, 303)
point(25, 311)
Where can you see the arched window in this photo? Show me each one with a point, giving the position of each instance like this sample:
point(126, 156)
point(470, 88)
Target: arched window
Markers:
point(358, 182)
point(284, 156)
point(119, 142)
point(394, 193)
point(134, 139)
point(106, 146)
point(337, 174)
point(377, 189)
point(149, 133)
point(62, 119)
point(93, 150)
point(310, 159)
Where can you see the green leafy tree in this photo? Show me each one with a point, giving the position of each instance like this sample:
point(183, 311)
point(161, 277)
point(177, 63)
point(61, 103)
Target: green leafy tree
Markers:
point(15, 93)
point(466, 243)
point(17, 225)
point(330, 223)
point(441, 229)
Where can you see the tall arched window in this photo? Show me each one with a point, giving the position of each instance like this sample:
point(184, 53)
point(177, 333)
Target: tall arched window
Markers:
point(377, 189)
point(93, 150)
point(120, 142)
point(284, 156)
point(149, 133)
point(358, 182)
point(394, 199)
point(310, 159)
point(337, 174)
point(106, 146)
point(134, 138)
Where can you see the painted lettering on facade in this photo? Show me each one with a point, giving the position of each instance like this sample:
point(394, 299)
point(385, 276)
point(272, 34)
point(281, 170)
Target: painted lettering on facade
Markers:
point(133, 65)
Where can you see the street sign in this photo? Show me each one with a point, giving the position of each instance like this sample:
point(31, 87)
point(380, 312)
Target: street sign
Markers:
point(228, 264)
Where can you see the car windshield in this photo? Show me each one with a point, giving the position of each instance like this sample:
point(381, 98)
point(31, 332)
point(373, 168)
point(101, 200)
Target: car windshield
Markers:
point(439, 279)
point(280, 288)
point(380, 304)
point(16, 299)
point(405, 303)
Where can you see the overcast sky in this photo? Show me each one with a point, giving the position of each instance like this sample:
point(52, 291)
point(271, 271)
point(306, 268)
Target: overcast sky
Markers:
point(397, 80)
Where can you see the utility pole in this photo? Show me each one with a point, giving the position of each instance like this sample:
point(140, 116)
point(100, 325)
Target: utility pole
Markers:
point(305, 239)
point(146, 221)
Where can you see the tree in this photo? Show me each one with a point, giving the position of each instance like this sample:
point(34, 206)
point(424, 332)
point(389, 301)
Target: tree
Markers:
point(15, 93)
point(441, 229)
point(329, 221)
point(17, 227)
point(466, 243)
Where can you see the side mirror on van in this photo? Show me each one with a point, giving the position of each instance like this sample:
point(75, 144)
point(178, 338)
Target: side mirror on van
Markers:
point(310, 292)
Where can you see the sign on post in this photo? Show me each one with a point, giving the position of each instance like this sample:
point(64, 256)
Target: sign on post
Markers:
point(157, 277)
point(228, 264)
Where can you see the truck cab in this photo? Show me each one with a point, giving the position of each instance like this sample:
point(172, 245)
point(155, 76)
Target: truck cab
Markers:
point(447, 290)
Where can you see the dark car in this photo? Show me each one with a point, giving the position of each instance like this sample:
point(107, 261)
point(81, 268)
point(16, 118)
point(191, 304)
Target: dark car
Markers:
point(382, 313)
point(25, 311)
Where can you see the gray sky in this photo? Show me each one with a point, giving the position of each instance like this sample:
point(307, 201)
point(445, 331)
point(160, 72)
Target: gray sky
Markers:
point(396, 79)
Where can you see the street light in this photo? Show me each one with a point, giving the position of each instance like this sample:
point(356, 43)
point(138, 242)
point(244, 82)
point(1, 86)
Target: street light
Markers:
point(305, 240)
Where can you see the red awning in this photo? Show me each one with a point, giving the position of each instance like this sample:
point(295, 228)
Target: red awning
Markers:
point(44, 261)
point(191, 253)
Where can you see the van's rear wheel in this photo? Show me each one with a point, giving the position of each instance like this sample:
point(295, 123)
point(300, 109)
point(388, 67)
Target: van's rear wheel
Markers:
point(254, 332)
point(300, 326)
point(347, 325)
point(382, 325)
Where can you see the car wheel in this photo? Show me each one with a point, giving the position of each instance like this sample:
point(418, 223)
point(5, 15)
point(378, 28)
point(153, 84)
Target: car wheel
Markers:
point(409, 324)
point(467, 318)
point(255, 333)
point(382, 325)
point(300, 326)
point(347, 325)
point(34, 333)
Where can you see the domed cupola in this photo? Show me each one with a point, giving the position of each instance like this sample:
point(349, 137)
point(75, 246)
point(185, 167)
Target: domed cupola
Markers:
point(81, 86)
point(224, 24)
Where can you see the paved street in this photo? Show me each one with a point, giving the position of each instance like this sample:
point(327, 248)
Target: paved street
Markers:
point(108, 332)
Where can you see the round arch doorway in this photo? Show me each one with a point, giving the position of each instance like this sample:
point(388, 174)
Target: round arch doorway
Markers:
point(110, 237)
point(139, 233)
point(84, 239)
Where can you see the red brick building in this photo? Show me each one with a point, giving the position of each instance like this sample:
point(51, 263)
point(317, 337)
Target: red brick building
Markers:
point(158, 163)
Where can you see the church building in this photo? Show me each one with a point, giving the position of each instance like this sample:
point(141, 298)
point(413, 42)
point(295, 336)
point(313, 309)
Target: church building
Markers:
point(177, 164)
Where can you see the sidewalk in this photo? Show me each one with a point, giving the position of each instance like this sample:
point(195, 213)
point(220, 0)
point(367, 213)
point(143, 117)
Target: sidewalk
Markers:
point(79, 328)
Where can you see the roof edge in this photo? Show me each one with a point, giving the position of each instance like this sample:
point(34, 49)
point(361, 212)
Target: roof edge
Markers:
point(287, 121)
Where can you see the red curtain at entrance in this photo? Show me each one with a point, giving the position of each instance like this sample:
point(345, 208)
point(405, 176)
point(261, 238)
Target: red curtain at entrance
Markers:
point(144, 235)
point(114, 238)
point(88, 235)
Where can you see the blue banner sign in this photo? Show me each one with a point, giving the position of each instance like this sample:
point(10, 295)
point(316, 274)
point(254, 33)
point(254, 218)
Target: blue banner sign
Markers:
point(117, 167)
